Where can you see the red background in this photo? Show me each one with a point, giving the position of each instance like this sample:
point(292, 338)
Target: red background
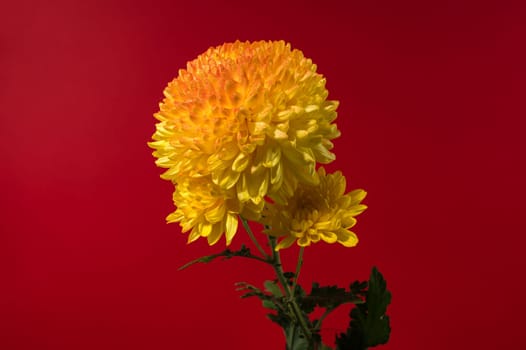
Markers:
point(429, 127)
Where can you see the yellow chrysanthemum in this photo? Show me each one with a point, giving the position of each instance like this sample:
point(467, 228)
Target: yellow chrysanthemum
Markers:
point(207, 210)
point(244, 121)
point(314, 213)
point(249, 116)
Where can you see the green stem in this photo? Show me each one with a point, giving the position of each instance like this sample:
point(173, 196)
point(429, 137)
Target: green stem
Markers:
point(253, 238)
point(299, 264)
point(227, 254)
point(278, 268)
point(317, 326)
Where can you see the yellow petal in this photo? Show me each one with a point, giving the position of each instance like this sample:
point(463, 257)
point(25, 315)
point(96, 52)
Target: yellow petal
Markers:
point(347, 238)
point(204, 228)
point(357, 209)
point(241, 162)
point(226, 179)
point(174, 217)
point(231, 227)
point(214, 235)
point(325, 225)
point(214, 162)
point(323, 155)
point(242, 189)
point(307, 173)
point(304, 241)
point(293, 155)
point(357, 196)
point(285, 243)
point(272, 157)
point(215, 214)
point(348, 222)
point(229, 151)
point(329, 237)
point(193, 235)
point(311, 108)
point(257, 186)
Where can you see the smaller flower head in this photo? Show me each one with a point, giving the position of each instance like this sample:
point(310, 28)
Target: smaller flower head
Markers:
point(206, 210)
point(314, 213)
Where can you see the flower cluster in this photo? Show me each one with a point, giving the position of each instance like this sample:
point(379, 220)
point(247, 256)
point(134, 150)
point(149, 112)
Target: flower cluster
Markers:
point(244, 122)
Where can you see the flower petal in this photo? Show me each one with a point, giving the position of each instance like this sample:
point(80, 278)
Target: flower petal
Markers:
point(231, 227)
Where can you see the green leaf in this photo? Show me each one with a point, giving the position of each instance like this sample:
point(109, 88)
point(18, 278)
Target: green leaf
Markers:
point(369, 324)
point(328, 297)
point(250, 290)
point(358, 288)
point(378, 298)
point(273, 288)
point(269, 304)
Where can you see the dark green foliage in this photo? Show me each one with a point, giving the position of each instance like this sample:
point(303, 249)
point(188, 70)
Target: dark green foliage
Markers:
point(369, 325)
point(291, 307)
point(328, 297)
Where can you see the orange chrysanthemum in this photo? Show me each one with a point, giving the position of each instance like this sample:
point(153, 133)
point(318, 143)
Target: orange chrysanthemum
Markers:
point(314, 213)
point(252, 119)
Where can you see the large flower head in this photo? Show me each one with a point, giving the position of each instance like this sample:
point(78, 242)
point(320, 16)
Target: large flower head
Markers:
point(320, 212)
point(250, 120)
point(251, 116)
